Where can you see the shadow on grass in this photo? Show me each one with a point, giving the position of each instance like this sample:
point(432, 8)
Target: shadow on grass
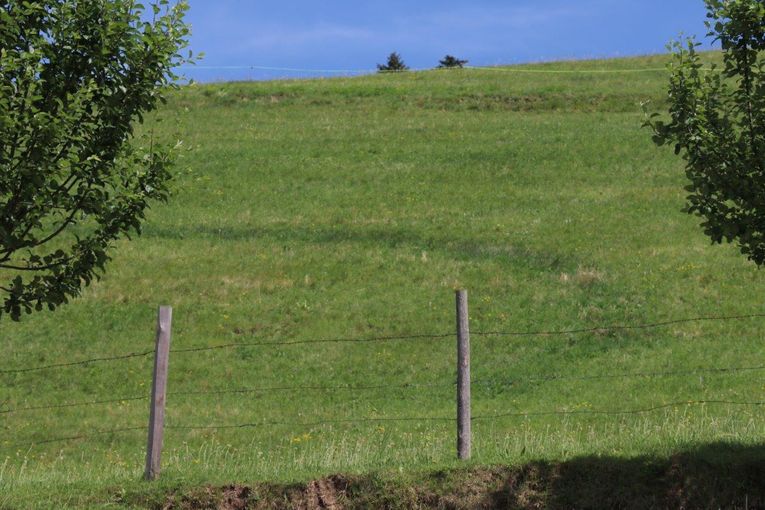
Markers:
point(457, 249)
point(718, 475)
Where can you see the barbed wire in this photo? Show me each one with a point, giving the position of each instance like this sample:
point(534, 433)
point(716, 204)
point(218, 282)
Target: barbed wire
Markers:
point(339, 388)
point(77, 363)
point(618, 327)
point(619, 412)
point(224, 346)
point(474, 418)
point(434, 336)
point(316, 423)
point(62, 439)
point(383, 419)
point(311, 388)
point(626, 375)
point(72, 404)
point(478, 382)
point(224, 391)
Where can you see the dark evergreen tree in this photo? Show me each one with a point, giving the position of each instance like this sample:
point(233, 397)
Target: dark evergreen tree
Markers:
point(450, 61)
point(395, 63)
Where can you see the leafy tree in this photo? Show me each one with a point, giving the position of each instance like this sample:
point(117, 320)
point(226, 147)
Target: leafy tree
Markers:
point(75, 77)
point(395, 63)
point(717, 123)
point(450, 61)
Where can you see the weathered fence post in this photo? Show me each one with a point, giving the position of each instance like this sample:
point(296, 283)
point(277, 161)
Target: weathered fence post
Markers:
point(463, 377)
point(158, 393)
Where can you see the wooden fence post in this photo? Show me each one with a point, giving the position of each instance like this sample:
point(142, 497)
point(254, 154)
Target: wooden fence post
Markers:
point(158, 393)
point(463, 377)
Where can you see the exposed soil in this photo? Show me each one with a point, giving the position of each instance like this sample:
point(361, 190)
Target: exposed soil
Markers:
point(325, 494)
point(719, 476)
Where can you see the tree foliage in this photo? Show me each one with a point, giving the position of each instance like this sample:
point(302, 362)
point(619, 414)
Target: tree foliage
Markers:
point(717, 123)
point(395, 63)
point(75, 77)
point(450, 61)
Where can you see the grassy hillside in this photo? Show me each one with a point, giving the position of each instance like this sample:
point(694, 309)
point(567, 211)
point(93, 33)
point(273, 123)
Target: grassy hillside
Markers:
point(352, 208)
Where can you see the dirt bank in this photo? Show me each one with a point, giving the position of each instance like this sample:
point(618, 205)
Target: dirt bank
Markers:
point(720, 477)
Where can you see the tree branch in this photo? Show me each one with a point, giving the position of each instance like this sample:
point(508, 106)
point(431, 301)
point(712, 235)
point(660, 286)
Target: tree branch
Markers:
point(37, 268)
point(61, 228)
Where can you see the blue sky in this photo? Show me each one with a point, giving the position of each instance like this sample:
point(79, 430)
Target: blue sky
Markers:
point(356, 35)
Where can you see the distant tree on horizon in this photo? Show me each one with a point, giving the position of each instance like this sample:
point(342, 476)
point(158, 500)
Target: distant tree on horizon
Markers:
point(450, 62)
point(395, 63)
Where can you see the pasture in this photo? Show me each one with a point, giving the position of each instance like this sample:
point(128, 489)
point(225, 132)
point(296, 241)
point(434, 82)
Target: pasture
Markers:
point(351, 208)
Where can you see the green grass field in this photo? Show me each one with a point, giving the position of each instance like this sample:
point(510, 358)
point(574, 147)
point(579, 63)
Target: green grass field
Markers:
point(317, 209)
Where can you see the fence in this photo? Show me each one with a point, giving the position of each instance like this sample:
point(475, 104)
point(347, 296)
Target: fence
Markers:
point(462, 417)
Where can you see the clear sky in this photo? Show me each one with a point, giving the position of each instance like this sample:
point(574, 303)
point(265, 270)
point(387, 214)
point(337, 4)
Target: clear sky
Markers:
point(357, 34)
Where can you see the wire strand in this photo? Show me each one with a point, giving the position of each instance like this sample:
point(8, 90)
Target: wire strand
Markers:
point(312, 423)
point(77, 437)
point(316, 341)
point(618, 327)
point(226, 391)
point(436, 336)
point(383, 419)
point(307, 388)
point(612, 327)
point(625, 375)
point(358, 388)
point(617, 412)
point(452, 419)
point(72, 404)
point(77, 363)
